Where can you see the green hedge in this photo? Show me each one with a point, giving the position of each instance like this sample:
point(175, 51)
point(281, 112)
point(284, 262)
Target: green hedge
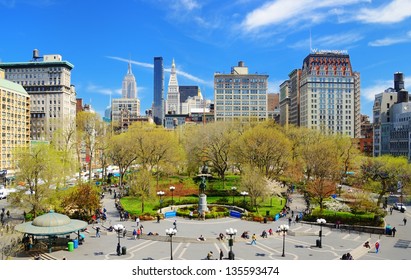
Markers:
point(365, 219)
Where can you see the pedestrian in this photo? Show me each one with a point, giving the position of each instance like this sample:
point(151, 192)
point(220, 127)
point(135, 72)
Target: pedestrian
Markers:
point(124, 232)
point(221, 254)
point(210, 255)
point(141, 228)
point(137, 221)
point(138, 233)
point(97, 231)
point(118, 249)
point(404, 220)
point(377, 247)
point(391, 210)
point(394, 230)
point(8, 214)
point(134, 234)
point(253, 240)
point(190, 215)
point(289, 221)
point(175, 224)
point(158, 218)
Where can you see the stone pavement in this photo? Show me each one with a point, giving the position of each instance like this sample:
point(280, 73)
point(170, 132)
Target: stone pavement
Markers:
point(299, 242)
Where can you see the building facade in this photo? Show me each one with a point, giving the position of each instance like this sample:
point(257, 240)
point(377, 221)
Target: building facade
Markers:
point(120, 106)
point(173, 94)
point(284, 103)
point(329, 94)
point(47, 80)
point(240, 95)
point(392, 120)
point(366, 139)
point(294, 93)
point(158, 101)
point(14, 121)
point(129, 88)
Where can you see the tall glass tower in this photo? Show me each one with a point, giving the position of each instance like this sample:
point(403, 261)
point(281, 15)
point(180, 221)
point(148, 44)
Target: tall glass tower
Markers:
point(158, 103)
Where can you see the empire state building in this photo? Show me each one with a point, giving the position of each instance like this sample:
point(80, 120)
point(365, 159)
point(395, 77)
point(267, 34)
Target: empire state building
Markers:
point(129, 89)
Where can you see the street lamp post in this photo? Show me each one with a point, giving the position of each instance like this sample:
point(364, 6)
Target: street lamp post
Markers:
point(284, 229)
point(231, 232)
point(233, 189)
point(244, 194)
point(172, 188)
point(321, 221)
point(171, 232)
point(119, 229)
point(160, 194)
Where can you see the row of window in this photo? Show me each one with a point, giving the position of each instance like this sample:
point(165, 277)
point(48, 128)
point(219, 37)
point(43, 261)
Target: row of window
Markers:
point(241, 108)
point(33, 69)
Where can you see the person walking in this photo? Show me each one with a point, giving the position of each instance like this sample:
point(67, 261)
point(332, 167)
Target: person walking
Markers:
point(175, 224)
point(253, 240)
point(377, 247)
point(405, 220)
point(137, 221)
point(393, 231)
point(134, 234)
point(97, 231)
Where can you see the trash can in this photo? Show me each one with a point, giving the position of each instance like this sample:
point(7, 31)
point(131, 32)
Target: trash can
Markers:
point(70, 246)
point(388, 230)
point(318, 243)
point(75, 243)
point(231, 255)
point(123, 250)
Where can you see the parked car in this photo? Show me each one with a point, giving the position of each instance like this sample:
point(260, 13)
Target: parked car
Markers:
point(399, 206)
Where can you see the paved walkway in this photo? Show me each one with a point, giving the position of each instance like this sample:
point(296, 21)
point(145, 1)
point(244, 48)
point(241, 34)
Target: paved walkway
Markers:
point(300, 242)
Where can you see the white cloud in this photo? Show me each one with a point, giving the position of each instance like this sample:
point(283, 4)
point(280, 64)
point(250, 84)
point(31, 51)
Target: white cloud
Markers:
point(143, 64)
point(379, 86)
point(395, 11)
point(331, 41)
point(148, 65)
point(100, 90)
point(388, 41)
point(292, 12)
point(185, 5)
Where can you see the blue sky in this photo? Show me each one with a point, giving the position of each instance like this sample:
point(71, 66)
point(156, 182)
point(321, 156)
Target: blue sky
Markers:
point(99, 37)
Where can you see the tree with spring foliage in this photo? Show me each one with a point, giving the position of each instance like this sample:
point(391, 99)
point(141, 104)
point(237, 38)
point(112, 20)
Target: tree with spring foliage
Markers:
point(321, 166)
point(381, 174)
point(264, 146)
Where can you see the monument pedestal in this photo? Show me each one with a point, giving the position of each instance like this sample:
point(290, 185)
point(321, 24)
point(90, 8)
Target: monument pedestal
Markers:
point(202, 204)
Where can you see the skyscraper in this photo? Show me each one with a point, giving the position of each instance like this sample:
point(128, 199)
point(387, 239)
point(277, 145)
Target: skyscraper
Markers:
point(330, 94)
point(129, 89)
point(173, 94)
point(129, 104)
point(158, 103)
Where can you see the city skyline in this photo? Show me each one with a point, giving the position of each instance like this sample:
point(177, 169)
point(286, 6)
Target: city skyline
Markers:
point(271, 37)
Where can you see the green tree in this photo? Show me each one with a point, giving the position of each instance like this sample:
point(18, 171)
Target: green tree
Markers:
point(83, 200)
point(141, 186)
point(264, 146)
point(254, 182)
point(121, 152)
point(322, 167)
point(37, 167)
point(382, 174)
